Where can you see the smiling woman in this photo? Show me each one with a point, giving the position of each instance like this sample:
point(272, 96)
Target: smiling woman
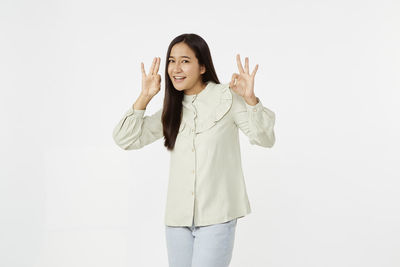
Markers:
point(200, 121)
point(184, 69)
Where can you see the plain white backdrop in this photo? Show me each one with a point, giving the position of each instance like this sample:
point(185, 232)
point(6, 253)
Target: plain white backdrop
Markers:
point(330, 190)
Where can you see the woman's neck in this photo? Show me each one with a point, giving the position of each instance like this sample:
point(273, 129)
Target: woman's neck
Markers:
point(196, 89)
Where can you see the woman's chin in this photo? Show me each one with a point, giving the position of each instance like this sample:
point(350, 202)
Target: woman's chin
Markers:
point(179, 86)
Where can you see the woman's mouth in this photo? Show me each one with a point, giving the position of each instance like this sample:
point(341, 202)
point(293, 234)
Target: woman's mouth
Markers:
point(179, 79)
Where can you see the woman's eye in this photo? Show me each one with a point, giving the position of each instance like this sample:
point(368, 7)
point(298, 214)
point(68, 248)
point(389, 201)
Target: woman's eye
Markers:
point(173, 60)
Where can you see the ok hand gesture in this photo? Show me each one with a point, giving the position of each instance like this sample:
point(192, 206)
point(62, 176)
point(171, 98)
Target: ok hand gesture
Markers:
point(151, 82)
point(243, 83)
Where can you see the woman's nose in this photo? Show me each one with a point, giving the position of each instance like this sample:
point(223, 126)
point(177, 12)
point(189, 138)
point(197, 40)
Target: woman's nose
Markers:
point(177, 67)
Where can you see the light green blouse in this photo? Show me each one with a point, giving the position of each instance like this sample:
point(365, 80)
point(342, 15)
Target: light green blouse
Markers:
point(206, 183)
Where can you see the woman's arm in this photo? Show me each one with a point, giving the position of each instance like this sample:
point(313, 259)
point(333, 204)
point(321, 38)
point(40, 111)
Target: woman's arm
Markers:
point(256, 122)
point(135, 130)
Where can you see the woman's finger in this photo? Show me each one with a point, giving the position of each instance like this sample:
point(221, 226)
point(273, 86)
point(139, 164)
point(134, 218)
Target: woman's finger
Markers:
point(157, 65)
point(239, 63)
point(233, 80)
point(143, 71)
point(153, 64)
point(246, 64)
point(254, 71)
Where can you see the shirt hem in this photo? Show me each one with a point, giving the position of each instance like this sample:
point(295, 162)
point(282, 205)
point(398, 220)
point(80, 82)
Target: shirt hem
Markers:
point(210, 222)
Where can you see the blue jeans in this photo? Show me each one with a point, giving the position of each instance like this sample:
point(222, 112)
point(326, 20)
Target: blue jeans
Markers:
point(200, 246)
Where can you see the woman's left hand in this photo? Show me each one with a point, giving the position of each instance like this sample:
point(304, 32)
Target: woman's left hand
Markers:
point(243, 83)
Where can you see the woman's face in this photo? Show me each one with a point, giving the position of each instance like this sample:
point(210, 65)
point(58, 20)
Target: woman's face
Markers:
point(182, 62)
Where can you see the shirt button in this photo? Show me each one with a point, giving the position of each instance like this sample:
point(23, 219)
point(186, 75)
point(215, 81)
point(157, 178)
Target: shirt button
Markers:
point(192, 171)
point(192, 149)
point(192, 193)
point(254, 109)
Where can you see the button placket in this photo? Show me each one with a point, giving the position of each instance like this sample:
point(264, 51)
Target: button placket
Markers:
point(193, 131)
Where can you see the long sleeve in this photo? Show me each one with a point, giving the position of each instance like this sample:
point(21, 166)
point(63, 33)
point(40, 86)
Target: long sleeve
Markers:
point(135, 130)
point(256, 122)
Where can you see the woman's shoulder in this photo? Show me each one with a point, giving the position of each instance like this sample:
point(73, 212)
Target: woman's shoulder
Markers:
point(227, 93)
point(225, 102)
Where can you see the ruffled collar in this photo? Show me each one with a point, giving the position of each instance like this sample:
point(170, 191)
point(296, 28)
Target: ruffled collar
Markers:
point(203, 93)
point(219, 110)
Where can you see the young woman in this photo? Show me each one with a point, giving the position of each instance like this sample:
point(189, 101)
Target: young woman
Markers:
point(199, 121)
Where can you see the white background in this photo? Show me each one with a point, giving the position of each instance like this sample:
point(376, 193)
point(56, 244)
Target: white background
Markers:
point(329, 192)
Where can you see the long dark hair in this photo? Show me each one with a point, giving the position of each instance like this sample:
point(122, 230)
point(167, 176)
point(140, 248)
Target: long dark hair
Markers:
point(172, 108)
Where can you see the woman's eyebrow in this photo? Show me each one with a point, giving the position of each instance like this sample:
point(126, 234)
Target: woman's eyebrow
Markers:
point(181, 56)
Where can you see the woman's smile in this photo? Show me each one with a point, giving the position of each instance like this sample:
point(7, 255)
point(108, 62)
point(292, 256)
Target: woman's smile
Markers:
point(179, 79)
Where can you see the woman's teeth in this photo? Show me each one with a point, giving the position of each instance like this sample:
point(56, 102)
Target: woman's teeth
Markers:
point(178, 79)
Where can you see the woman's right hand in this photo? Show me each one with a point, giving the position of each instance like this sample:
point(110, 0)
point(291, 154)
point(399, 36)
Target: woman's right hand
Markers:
point(151, 83)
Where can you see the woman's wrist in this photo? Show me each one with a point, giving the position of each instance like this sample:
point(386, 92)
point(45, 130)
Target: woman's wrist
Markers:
point(142, 102)
point(252, 101)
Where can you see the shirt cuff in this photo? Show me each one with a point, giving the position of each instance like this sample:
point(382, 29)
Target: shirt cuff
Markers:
point(257, 107)
point(137, 112)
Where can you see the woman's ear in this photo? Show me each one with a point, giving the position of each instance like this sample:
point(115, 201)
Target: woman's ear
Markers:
point(202, 69)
